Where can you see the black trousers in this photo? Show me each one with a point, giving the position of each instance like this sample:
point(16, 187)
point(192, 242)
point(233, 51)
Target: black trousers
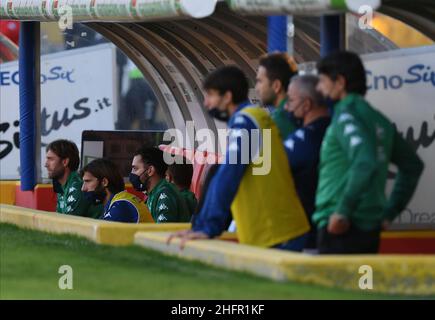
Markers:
point(311, 242)
point(353, 241)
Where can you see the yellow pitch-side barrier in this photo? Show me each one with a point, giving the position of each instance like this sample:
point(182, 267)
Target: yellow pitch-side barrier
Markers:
point(103, 232)
point(390, 274)
point(7, 191)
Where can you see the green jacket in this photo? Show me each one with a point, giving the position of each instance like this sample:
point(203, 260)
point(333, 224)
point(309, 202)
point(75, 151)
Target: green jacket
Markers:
point(282, 120)
point(166, 204)
point(357, 149)
point(190, 200)
point(70, 198)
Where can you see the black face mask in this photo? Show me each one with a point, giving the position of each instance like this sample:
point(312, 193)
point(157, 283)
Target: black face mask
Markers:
point(97, 196)
point(329, 102)
point(219, 115)
point(298, 122)
point(137, 184)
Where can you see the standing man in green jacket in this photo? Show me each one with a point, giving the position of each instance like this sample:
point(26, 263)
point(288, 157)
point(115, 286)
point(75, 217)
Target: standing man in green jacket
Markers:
point(359, 145)
point(62, 161)
point(273, 77)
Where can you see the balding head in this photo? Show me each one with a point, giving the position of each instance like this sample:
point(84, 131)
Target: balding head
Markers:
point(306, 87)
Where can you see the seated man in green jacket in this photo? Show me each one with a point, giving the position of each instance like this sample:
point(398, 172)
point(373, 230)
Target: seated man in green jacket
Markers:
point(62, 161)
point(164, 200)
point(180, 174)
point(359, 145)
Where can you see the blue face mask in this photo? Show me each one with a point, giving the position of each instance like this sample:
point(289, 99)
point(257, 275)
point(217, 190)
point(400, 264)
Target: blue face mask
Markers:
point(136, 183)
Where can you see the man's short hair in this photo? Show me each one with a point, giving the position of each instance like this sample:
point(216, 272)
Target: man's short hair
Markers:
point(153, 156)
point(279, 66)
point(228, 78)
point(104, 168)
point(181, 172)
point(66, 149)
point(306, 85)
point(348, 65)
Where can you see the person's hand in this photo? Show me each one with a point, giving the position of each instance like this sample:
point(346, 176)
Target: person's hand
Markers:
point(338, 224)
point(186, 235)
point(178, 234)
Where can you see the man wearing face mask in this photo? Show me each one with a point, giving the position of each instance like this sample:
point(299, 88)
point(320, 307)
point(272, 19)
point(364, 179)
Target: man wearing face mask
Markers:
point(359, 145)
point(164, 201)
point(303, 145)
point(264, 217)
point(62, 161)
point(103, 184)
point(273, 75)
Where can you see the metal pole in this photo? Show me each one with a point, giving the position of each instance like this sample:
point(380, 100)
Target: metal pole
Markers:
point(277, 33)
point(29, 87)
point(332, 34)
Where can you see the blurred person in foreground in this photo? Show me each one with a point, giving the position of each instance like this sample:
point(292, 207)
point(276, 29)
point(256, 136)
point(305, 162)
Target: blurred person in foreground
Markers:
point(246, 183)
point(303, 145)
point(359, 145)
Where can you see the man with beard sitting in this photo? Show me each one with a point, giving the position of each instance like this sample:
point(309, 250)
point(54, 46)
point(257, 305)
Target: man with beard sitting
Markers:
point(62, 161)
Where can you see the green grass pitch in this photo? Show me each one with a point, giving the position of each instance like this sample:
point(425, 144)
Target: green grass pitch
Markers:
point(30, 260)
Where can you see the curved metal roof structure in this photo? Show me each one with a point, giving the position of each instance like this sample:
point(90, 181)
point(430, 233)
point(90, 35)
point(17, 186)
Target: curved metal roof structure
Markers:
point(419, 14)
point(176, 54)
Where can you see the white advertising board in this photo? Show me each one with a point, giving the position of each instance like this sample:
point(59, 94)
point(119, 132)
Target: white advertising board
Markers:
point(402, 85)
point(78, 92)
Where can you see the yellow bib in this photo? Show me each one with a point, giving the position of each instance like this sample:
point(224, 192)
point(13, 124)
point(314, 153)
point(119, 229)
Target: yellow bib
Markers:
point(266, 207)
point(142, 209)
